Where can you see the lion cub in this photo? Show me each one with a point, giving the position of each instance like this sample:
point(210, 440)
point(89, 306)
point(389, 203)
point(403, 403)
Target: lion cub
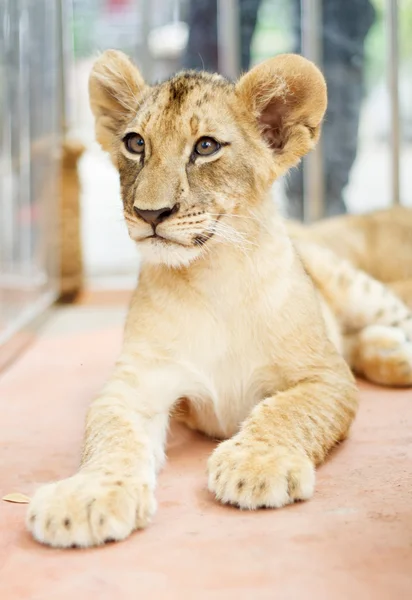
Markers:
point(225, 324)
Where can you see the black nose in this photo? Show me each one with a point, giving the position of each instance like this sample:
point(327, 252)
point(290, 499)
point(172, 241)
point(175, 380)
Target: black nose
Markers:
point(154, 217)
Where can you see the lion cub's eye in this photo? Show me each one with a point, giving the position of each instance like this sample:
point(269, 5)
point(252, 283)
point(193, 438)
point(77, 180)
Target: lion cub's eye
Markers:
point(134, 143)
point(206, 146)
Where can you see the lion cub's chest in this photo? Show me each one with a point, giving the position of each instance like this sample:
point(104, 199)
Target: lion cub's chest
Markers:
point(227, 359)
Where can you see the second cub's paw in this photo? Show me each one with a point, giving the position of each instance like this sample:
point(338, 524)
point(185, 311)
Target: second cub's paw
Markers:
point(386, 356)
point(254, 474)
point(90, 509)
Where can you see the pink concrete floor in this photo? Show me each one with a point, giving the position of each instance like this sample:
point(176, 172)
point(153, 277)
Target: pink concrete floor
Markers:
point(353, 540)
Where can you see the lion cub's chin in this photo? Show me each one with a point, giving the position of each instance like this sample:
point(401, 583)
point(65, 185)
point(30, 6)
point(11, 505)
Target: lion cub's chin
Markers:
point(155, 251)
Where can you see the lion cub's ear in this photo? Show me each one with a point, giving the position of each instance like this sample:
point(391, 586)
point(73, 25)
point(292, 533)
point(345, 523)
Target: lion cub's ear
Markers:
point(287, 94)
point(115, 86)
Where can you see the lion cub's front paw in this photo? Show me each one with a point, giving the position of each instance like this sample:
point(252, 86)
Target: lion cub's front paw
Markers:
point(90, 509)
point(254, 474)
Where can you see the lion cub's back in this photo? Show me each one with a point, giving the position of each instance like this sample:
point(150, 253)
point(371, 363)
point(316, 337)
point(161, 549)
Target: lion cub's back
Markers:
point(379, 243)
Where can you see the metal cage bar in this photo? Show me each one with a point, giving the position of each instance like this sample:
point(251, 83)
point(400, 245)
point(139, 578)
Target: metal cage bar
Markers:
point(228, 35)
point(313, 172)
point(30, 140)
point(393, 87)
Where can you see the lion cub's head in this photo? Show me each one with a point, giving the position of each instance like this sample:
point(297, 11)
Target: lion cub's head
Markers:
point(197, 150)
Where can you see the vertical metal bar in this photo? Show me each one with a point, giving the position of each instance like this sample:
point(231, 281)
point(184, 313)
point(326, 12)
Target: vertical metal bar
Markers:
point(6, 173)
point(176, 11)
point(313, 175)
point(25, 226)
point(14, 75)
point(145, 58)
point(60, 49)
point(393, 86)
point(228, 37)
point(65, 53)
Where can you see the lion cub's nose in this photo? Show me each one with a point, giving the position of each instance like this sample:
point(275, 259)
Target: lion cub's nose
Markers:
point(154, 217)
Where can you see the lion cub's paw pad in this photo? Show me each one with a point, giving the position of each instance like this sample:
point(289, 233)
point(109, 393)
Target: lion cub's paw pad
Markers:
point(89, 510)
point(252, 475)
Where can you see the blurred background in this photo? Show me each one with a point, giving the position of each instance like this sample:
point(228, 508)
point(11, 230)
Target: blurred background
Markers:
point(61, 225)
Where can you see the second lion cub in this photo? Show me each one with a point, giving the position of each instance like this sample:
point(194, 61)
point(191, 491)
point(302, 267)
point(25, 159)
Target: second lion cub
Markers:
point(225, 323)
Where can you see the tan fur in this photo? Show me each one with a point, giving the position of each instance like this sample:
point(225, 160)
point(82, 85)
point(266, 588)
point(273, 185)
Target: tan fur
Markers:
point(225, 324)
point(379, 243)
point(71, 256)
point(344, 255)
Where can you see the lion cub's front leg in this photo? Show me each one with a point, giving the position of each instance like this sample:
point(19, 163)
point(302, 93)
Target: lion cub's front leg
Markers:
point(271, 461)
point(113, 492)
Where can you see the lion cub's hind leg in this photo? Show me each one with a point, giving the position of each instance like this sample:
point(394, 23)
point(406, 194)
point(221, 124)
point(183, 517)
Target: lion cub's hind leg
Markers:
point(376, 324)
point(381, 350)
point(403, 289)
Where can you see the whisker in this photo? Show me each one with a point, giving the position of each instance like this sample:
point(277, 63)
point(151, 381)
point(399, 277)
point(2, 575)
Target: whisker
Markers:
point(230, 236)
point(234, 234)
point(223, 240)
point(234, 216)
point(262, 223)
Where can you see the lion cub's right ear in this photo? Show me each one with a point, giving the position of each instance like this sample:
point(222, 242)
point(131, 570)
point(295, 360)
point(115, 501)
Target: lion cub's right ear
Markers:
point(115, 90)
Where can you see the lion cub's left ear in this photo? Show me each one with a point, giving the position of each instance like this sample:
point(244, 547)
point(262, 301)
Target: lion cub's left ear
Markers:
point(287, 95)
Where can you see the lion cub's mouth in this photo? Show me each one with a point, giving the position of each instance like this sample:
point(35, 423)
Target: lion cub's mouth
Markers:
point(190, 241)
point(160, 239)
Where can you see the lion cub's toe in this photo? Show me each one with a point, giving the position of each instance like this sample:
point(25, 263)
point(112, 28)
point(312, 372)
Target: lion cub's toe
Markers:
point(254, 474)
point(89, 510)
